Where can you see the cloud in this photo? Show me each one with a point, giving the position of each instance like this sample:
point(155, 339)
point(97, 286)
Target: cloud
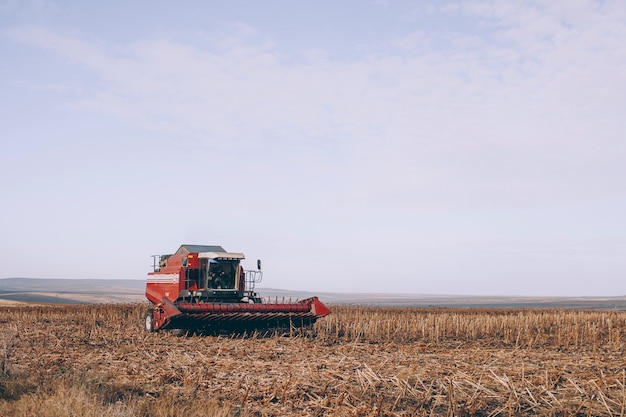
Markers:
point(521, 100)
point(527, 107)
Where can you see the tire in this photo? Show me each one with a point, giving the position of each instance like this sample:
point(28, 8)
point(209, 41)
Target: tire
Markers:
point(149, 321)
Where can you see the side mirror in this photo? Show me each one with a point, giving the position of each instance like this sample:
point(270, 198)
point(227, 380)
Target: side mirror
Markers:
point(258, 264)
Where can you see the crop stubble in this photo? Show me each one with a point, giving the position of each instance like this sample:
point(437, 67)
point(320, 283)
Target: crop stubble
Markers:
point(96, 360)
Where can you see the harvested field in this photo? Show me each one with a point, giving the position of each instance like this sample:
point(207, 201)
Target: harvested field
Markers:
point(95, 360)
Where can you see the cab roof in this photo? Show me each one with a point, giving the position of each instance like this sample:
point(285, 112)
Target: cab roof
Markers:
point(186, 249)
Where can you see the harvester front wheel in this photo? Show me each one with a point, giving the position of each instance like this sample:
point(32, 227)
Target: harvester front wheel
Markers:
point(149, 321)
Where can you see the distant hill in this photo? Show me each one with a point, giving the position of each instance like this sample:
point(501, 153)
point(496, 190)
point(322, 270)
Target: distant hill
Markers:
point(77, 291)
point(457, 301)
point(72, 291)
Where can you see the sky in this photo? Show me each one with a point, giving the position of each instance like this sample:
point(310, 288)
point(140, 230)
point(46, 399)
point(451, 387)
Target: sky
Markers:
point(427, 147)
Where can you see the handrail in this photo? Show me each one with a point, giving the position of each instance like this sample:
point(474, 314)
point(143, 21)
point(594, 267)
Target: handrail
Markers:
point(252, 277)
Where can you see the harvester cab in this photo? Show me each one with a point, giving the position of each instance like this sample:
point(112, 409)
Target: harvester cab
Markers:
point(206, 287)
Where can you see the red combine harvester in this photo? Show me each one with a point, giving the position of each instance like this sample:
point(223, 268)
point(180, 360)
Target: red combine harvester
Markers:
point(205, 288)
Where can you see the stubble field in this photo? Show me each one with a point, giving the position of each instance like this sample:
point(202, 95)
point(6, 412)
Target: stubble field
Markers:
point(97, 361)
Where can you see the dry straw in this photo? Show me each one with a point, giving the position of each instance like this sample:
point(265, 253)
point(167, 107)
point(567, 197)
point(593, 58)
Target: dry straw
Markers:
point(96, 361)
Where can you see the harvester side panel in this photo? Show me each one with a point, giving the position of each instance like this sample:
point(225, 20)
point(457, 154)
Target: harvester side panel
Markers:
point(162, 285)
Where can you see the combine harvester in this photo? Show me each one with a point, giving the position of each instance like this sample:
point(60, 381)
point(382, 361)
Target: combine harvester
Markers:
point(204, 288)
